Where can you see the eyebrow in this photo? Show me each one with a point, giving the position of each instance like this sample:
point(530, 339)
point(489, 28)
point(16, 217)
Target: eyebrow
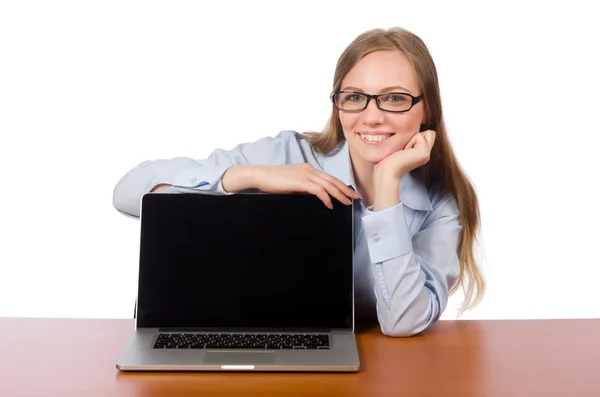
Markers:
point(387, 89)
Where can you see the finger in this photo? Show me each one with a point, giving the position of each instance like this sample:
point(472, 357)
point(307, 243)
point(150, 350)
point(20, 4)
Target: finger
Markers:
point(429, 136)
point(432, 141)
point(412, 142)
point(418, 141)
point(320, 192)
point(331, 189)
point(349, 192)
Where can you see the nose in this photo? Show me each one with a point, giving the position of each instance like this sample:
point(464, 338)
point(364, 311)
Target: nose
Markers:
point(372, 114)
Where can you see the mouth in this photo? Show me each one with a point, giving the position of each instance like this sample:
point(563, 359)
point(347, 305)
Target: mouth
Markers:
point(375, 138)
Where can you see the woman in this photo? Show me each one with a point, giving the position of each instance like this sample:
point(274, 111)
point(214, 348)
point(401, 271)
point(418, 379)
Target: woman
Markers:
point(386, 147)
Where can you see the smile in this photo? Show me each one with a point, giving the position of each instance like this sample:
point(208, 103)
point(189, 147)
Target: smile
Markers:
point(374, 138)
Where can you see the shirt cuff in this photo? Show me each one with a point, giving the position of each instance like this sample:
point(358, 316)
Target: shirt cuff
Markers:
point(387, 233)
point(189, 180)
point(171, 189)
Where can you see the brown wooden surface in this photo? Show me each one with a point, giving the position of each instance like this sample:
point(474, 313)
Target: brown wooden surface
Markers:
point(76, 357)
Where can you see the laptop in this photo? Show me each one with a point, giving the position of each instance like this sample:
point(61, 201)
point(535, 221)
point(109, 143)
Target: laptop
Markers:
point(243, 282)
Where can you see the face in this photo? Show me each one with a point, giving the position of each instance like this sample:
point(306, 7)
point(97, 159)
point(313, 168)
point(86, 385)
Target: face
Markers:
point(373, 134)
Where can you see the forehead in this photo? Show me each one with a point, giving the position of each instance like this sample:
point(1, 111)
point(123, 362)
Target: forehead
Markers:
point(381, 69)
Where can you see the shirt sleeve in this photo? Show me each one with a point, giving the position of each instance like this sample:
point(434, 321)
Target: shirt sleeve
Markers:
point(412, 275)
point(188, 173)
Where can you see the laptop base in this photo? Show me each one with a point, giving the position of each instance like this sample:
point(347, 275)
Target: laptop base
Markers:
point(139, 355)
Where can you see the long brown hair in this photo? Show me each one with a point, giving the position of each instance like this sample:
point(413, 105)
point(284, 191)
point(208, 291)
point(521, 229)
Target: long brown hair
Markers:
point(443, 169)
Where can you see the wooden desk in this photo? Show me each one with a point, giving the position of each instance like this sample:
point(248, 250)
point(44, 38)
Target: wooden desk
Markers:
point(76, 358)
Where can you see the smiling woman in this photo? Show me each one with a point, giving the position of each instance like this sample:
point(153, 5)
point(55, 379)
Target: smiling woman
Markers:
point(385, 147)
point(387, 107)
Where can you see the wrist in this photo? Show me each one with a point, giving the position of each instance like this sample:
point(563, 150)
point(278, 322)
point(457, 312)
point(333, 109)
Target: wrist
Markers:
point(387, 192)
point(160, 188)
point(387, 171)
point(238, 177)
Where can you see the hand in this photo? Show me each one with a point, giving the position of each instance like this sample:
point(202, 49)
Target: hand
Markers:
point(415, 154)
point(387, 173)
point(293, 178)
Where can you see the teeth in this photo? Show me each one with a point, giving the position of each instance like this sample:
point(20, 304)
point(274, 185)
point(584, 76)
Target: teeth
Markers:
point(374, 138)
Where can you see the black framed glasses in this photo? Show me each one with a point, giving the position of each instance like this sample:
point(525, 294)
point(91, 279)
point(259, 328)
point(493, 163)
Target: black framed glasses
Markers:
point(349, 101)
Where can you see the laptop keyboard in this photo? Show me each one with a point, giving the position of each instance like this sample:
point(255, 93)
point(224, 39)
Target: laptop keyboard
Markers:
point(241, 341)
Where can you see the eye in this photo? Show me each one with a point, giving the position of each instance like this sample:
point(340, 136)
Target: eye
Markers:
point(353, 97)
point(396, 98)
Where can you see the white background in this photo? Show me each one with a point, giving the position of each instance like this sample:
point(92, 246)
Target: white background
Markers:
point(90, 89)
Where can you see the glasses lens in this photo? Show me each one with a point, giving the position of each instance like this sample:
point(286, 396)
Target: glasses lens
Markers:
point(350, 101)
point(395, 102)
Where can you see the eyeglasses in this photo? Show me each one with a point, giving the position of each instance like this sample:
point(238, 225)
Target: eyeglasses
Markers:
point(349, 101)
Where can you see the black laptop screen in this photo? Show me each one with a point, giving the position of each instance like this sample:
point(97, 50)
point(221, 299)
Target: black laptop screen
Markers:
point(244, 260)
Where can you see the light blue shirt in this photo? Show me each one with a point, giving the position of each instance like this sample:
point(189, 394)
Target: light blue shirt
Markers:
point(405, 256)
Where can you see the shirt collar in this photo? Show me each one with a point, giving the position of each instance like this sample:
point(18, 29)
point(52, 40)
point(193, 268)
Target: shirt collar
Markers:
point(413, 192)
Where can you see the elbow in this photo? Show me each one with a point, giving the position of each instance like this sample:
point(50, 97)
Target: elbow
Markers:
point(117, 199)
point(403, 331)
point(117, 202)
point(131, 187)
point(410, 320)
point(393, 333)
point(123, 205)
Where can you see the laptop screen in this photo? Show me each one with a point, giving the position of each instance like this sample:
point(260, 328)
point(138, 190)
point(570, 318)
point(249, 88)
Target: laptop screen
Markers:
point(245, 261)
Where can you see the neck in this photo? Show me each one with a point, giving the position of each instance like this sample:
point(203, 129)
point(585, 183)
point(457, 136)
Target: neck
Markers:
point(363, 175)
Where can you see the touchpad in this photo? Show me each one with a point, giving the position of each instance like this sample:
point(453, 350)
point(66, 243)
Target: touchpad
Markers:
point(239, 358)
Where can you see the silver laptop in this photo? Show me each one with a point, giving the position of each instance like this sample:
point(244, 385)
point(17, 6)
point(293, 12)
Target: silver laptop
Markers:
point(243, 282)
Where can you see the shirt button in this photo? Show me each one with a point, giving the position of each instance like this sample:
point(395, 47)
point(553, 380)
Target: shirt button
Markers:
point(377, 239)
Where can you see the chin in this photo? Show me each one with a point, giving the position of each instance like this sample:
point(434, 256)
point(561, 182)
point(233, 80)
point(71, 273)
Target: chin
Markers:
point(371, 157)
point(374, 152)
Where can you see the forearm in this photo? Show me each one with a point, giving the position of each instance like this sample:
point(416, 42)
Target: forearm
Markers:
point(405, 304)
point(152, 175)
point(235, 179)
point(205, 174)
point(407, 308)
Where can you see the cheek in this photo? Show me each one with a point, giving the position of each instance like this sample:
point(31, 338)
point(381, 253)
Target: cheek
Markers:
point(407, 123)
point(348, 122)
point(406, 128)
